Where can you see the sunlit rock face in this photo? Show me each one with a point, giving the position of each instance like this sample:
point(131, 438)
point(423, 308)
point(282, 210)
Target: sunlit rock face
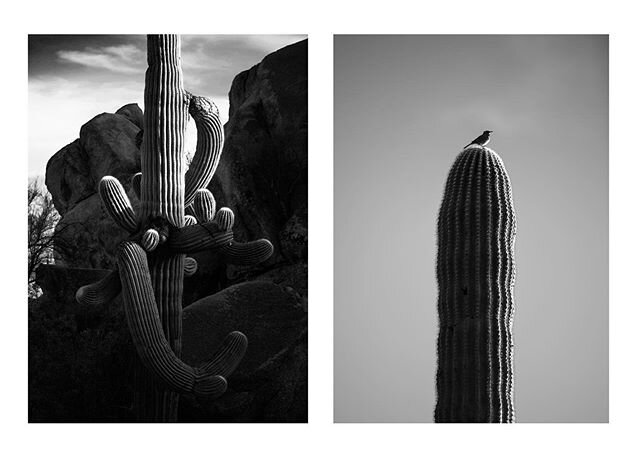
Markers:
point(106, 146)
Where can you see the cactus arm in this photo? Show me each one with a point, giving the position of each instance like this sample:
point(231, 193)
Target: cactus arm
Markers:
point(208, 146)
point(135, 183)
point(100, 292)
point(150, 239)
point(225, 219)
point(247, 253)
point(204, 206)
point(115, 200)
point(189, 220)
point(228, 356)
point(147, 333)
point(190, 266)
point(197, 238)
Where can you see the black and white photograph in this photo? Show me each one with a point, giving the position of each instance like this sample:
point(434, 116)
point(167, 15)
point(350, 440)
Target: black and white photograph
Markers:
point(167, 228)
point(471, 201)
point(320, 227)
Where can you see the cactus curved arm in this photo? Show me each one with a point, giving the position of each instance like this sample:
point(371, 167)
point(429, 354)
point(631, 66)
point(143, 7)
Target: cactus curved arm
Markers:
point(117, 203)
point(208, 146)
point(100, 292)
point(148, 337)
point(247, 253)
point(197, 238)
point(204, 205)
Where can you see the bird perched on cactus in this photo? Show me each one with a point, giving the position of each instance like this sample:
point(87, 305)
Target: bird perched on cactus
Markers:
point(177, 216)
point(481, 140)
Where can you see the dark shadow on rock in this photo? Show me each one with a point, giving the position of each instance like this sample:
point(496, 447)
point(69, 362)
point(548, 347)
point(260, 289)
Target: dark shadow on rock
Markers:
point(270, 385)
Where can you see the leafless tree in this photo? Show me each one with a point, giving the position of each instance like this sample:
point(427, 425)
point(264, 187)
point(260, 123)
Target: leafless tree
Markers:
point(42, 221)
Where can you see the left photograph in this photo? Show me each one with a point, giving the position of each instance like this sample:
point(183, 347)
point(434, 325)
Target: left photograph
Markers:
point(167, 228)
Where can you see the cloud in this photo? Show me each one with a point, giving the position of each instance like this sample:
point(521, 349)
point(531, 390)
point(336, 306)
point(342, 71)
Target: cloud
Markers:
point(125, 59)
point(58, 107)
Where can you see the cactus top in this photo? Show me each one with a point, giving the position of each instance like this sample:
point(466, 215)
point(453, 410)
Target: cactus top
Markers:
point(163, 49)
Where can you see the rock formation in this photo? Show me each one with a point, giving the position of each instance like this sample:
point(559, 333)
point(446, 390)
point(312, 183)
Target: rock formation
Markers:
point(106, 146)
point(262, 174)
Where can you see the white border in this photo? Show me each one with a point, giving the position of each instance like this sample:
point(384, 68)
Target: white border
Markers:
point(319, 21)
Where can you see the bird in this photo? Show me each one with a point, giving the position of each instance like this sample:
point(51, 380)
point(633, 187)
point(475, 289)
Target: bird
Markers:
point(481, 140)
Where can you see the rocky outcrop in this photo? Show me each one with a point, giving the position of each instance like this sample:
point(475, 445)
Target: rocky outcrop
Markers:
point(270, 385)
point(262, 174)
point(106, 146)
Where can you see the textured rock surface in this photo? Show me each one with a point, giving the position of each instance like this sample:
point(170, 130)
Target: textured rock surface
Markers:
point(262, 174)
point(106, 147)
point(133, 113)
point(271, 382)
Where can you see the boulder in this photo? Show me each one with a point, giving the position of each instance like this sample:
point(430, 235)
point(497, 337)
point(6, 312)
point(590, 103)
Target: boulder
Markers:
point(106, 146)
point(110, 143)
point(294, 236)
point(262, 173)
point(69, 178)
point(133, 113)
point(270, 383)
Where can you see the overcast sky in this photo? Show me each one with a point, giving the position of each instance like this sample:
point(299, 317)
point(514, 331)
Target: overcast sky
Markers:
point(404, 108)
point(73, 78)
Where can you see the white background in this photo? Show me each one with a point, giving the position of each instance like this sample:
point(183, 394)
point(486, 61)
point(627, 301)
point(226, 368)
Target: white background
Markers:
point(320, 21)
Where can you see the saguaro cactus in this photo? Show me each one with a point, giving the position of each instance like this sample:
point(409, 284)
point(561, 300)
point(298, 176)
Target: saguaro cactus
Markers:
point(476, 272)
point(152, 262)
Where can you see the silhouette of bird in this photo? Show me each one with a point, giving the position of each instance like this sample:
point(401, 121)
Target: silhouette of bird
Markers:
point(481, 140)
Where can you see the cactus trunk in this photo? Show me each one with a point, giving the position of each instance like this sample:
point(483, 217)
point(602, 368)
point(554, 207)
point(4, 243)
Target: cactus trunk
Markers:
point(476, 273)
point(162, 199)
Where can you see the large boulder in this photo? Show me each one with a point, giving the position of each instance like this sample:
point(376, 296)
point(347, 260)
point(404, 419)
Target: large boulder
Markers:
point(106, 147)
point(69, 177)
point(87, 236)
point(262, 173)
point(270, 384)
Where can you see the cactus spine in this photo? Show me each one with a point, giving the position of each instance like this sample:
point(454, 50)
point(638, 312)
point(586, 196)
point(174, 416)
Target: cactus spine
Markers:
point(476, 274)
point(152, 262)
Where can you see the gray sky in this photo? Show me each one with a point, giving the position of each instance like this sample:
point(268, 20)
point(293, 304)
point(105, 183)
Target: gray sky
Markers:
point(73, 78)
point(404, 107)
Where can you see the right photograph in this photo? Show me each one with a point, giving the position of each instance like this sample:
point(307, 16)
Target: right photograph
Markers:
point(471, 229)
